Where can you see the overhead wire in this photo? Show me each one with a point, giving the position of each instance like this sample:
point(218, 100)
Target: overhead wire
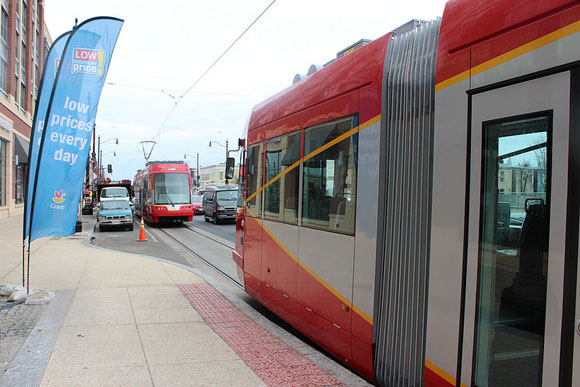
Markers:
point(179, 99)
point(167, 91)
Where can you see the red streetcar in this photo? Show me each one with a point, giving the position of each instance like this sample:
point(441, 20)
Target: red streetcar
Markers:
point(413, 206)
point(163, 192)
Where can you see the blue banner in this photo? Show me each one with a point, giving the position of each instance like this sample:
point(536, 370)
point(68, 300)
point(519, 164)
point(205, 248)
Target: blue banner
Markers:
point(69, 124)
point(46, 84)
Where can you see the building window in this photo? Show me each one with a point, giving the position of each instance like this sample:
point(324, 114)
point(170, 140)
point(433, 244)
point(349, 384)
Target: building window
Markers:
point(329, 177)
point(4, 50)
point(2, 172)
point(16, 90)
point(24, 31)
point(282, 173)
point(22, 94)
point(19, 184)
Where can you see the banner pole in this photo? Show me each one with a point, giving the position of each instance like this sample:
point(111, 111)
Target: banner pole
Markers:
point(27, 269)
point(33, 137)
point(23, 248)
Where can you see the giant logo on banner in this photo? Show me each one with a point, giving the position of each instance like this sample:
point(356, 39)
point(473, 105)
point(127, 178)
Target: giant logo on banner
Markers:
point(87, 61)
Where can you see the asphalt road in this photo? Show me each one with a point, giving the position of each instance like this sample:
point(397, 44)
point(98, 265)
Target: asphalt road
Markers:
point(181, 243)
point(223, 230)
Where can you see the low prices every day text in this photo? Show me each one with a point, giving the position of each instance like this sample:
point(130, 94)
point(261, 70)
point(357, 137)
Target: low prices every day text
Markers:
point(66, 121)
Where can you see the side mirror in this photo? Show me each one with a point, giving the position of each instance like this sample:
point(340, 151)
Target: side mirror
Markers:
point(230, 164)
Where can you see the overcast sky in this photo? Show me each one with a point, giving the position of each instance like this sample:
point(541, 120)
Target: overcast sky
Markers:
point(165, 46)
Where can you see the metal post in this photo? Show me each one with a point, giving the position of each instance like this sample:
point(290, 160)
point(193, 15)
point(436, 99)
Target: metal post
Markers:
point(227, 154)
point(99, 160)
point(198, 178)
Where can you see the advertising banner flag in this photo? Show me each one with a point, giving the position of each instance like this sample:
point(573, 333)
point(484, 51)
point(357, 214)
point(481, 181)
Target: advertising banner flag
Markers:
point(69, 123)
point(46, 84)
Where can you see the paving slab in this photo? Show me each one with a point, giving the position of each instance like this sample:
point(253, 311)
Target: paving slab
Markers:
point(127, 320)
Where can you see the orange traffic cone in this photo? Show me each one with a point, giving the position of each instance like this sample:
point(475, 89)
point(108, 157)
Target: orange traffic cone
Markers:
point(142, 237)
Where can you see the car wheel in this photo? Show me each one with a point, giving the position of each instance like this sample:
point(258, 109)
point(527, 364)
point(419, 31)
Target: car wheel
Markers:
point(215, 219)
point(131, 227)
point(101, 228)
point(205, 218)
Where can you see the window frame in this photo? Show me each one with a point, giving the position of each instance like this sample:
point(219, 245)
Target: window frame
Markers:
point(353, 118)
point(282, 180)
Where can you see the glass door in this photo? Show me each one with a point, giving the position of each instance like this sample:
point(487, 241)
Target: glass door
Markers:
point(513, 253)
point(517, 228)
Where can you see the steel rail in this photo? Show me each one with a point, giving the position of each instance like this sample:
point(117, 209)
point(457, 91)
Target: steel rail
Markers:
point(202, 258)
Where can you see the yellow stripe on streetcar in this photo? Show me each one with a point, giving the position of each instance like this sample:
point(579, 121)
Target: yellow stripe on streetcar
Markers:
point(329, 144)
point(519, 51)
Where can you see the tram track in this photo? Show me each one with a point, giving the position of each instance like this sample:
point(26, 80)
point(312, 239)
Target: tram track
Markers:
point(206, 236)
point(199, 256)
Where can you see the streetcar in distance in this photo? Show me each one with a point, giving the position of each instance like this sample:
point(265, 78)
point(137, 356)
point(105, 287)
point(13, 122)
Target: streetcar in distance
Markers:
point(413, 206)
point(163, 192)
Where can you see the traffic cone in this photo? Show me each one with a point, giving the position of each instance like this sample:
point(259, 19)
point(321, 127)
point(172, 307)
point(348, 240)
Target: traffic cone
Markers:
point(142, 237)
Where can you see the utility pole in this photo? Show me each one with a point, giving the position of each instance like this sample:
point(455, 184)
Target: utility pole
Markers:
point(99, 160)
point(197, 181)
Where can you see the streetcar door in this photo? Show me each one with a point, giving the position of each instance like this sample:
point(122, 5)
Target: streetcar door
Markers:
point(517, 235)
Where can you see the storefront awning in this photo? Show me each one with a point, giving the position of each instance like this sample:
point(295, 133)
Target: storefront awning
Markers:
point(21, 150)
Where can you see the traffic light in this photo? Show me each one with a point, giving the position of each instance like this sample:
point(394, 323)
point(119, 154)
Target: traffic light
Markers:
point(110, 168)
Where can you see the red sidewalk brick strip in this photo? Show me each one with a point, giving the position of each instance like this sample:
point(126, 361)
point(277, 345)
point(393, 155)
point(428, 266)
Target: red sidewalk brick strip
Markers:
point(276, 363)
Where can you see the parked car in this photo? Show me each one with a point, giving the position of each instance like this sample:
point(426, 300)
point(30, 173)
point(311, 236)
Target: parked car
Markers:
point(197, 202)
point(220, 203)
point(115, 213)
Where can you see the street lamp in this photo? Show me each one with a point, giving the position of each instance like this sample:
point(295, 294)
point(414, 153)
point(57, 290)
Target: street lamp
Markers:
point(197, 160)
point(227, 152)
point(100, 161)
point(220, 144)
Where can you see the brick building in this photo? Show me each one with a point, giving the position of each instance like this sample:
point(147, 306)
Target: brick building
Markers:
point(24, 44)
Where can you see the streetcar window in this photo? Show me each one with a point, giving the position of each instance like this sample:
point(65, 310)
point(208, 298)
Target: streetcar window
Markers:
point(172, 188)
point(513, 251)
point(329, 177)
point(254, 182)
point(281, 195)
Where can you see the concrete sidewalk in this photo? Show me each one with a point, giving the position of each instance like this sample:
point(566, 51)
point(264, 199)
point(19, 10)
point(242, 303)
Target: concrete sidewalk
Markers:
point(125, 320)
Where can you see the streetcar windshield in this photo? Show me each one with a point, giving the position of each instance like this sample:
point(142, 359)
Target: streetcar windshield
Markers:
point(227, 195)
point(172, 188)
